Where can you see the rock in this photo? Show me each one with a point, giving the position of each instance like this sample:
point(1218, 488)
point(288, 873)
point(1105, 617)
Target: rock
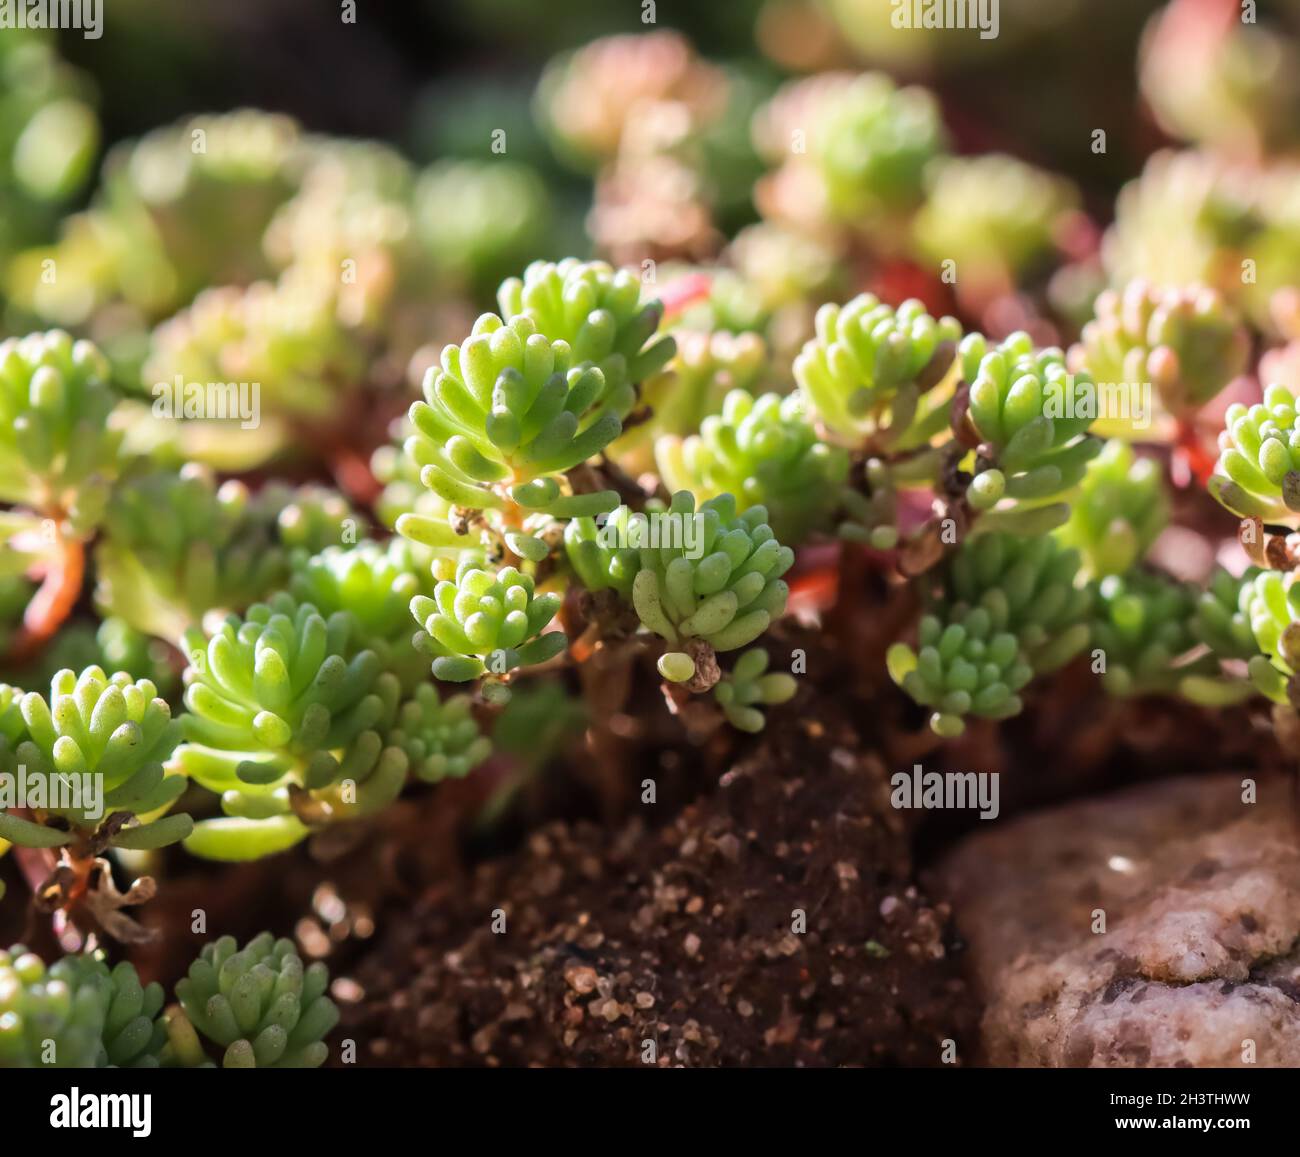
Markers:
point(1200, 956)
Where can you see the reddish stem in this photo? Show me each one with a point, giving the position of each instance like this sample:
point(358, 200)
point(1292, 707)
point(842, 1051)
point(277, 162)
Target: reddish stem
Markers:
point(53, 602)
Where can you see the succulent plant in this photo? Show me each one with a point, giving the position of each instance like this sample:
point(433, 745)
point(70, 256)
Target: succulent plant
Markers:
point(309, 517)
point(601, 549)
point(1119, 510)
point(1030, 416)
point(1186, 342)
point(1222, 620)
point(283, 338)
point(869, 507)
point(259, 1003)
point(586, 98)
point(1142, 623)
point(376, 584)
point(867, 372)
point(133, 1033)
point(871, 144)
point(1167, 226)
point(58, 456)
point(598, 312)
point(1187, 219)
point(717, 592)
point(967, 665)
point(1258, 470)
point(765, 452)
point(202, 193)
point(994, 215)
point(440, 737)
point(1010, 609)
point(482, 622)
point(115, 731)
point(1270, 601)
point(287, 713)
point(178, 547)
point(749, 687)
point(1244, 100)
point(504, 416)
point(349, 222)
point(51, 1016)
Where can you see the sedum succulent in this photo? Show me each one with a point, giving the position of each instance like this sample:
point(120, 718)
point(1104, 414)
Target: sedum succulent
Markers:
point(196, 198)
point(282, 337)
point(113, 729)
point(765, 452)
point(1270, 602)
point(1186, 342)
point(1011, 608)
point(586, 98)
point(1142, 623)
point(58, 456)
point(869, 507)
point(259, 1004)
point(1244, 98)
point(749, 687)
point(287, 714)
point(598, 312)
point(308, 517)
point(480, 622)
point(48, 1016)
point(1258, 470)
point(503, 417)
point(178, 547)
point(1120, 508)
point(871, 143)
point(605, 552)
point(1030, 416)
point(867, 371)
point(994, 215)
point(133, 1033)
point(440, 737)
point(1222, 620)
point(714, 583)
point(376, 584)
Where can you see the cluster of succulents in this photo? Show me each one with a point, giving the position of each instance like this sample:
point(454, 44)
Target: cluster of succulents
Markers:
point(993, 216)
point(1256, 473)
point(1143, 623)
point(1030, 418)
point(867, 373)
point(764, 452)
point(93, 756)
point(287, 716)
point(258, 1004)
point(58, 454)
point(1008, 608)
point(1121, 506)
point(1186, 343)
point(623, 456)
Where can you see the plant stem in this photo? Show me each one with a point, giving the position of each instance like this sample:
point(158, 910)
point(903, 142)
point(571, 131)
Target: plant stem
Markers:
point(53, 602)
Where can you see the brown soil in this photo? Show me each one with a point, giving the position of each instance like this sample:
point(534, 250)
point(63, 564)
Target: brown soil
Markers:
point(683, 937)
